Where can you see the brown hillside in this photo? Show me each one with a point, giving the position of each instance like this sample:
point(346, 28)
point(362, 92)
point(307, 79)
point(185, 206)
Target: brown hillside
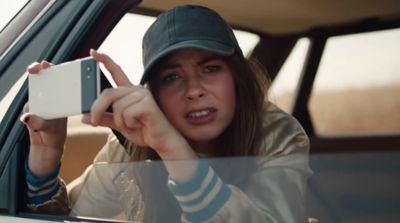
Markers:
point(354, 110)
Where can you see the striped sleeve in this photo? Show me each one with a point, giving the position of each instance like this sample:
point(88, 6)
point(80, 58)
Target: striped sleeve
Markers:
point(41, 189)
point(201, 197)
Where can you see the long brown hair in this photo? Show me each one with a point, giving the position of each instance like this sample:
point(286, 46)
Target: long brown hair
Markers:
point(243, 136)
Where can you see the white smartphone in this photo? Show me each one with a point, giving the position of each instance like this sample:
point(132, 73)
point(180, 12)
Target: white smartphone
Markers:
point(65, 89)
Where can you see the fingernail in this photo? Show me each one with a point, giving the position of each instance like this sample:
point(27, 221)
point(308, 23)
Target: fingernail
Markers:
point(32, 65)
point(25, 119)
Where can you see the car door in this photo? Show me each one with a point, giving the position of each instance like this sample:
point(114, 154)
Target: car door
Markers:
point(49, 30)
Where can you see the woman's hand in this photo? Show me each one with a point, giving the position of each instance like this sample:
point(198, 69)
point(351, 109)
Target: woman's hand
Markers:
point(47, 137)
point(137, 116)
point(135, 113)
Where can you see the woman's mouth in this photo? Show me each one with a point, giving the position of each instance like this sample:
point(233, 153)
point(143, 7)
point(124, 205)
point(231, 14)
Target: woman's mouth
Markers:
point(201, 117)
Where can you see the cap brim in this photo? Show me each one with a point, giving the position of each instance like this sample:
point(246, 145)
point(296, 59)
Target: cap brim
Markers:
point(211, 46)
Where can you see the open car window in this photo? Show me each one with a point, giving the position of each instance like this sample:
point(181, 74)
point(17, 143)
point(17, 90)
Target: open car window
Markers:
point(124, 44)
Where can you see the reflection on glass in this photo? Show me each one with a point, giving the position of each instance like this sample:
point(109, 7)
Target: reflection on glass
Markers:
point(138, 191)
point(358, 187)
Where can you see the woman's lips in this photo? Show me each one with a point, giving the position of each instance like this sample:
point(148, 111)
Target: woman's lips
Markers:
point(201, 117)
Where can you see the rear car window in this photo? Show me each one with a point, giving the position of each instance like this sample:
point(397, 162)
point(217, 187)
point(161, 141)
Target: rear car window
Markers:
point(357, 86)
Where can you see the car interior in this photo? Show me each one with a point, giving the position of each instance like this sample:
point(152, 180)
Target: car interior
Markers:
point(356, 166)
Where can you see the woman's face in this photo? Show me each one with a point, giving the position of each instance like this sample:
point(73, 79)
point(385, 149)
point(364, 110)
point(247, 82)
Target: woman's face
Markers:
point(197, 95)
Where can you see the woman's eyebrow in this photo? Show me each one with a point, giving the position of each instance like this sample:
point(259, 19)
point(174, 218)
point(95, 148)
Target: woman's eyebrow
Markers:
point(172, 65)
point(208, 59)
point(169, 66)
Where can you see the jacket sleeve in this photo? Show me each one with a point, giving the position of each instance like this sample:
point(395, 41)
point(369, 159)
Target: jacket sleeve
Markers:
point(57, 204)
point(46, 194)
point(79, 196)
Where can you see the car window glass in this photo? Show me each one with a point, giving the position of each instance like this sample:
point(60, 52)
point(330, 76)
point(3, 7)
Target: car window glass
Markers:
point(124, 44)
point(8, 9)
point(357, 85)
point(92, 139)
point(7, 100)
point(284, 85)
point(125, 185)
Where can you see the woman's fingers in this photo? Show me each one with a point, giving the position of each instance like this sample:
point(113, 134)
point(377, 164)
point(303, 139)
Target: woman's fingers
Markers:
point(105, 100)
point(36, 67)
point(121, 99)
point(117, 73)
point(129, 116)
point(105, 121)
point(36, 123)
point(46, 64)
point(120, 107)
point(33, 122)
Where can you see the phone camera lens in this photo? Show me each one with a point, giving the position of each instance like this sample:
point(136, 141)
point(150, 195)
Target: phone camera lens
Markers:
point(88, 69)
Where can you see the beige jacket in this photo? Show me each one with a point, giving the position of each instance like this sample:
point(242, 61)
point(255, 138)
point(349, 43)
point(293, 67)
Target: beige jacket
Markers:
point(274, 193)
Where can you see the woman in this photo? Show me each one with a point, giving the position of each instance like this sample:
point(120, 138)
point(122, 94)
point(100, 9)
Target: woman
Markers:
point(201, 98)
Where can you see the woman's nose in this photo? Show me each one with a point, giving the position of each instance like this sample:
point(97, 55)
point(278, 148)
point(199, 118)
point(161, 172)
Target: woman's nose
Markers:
point(194, 88)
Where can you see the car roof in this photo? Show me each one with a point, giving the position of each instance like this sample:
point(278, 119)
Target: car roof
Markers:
point(289, 16)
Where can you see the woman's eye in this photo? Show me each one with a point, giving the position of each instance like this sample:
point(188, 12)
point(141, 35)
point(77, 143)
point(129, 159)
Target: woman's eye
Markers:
point(169, 78)
point(212, 68)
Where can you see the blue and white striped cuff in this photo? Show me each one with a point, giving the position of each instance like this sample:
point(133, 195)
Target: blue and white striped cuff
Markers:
point(41, 189)
point(201, 197)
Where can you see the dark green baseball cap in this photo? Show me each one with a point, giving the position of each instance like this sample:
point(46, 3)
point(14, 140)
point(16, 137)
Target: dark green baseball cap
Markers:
point(187, 26)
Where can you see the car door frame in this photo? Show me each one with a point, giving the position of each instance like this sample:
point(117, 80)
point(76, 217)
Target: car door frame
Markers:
point(66, 31)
